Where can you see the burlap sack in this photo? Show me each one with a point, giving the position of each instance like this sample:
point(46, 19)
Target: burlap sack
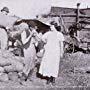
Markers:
point(3, 77)
point(13, 76)
point(16, 66)
point(1, 69)
point(4, 61)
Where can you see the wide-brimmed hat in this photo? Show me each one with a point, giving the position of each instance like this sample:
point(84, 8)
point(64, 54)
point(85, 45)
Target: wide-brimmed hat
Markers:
point(47, 23)
point(5, 9)
point(50, 23)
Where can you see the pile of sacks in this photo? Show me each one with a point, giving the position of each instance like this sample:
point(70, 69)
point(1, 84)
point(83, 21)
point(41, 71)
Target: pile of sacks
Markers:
point(10, 65)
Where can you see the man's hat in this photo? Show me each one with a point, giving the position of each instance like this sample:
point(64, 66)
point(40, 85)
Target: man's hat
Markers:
point(5, 9)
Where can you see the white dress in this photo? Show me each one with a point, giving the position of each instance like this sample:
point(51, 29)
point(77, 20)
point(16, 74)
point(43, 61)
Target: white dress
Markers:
point(50, 61)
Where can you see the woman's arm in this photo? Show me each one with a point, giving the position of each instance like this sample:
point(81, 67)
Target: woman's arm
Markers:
point(24, 38)
point(45, 37)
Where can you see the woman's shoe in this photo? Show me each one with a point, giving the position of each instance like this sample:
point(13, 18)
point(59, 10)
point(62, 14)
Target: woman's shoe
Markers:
point(53, 81)
point(48, 81)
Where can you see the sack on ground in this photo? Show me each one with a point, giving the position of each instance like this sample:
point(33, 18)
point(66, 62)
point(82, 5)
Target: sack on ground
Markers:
point(3, 77)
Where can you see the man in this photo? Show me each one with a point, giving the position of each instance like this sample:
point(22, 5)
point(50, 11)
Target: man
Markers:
point(3, 33)
point(3, 39)
point(53, 51)
point(5, 11)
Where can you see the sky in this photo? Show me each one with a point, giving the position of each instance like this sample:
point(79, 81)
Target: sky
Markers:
point(31, 8)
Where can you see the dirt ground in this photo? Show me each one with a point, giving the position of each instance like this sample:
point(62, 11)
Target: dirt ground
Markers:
point(73, 72)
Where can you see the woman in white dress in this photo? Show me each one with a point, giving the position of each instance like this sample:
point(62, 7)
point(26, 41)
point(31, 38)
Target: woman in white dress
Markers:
point(53, 51)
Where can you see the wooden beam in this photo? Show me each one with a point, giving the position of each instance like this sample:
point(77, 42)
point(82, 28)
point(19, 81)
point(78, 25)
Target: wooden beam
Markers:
point(65, 15)
point(88, 29)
